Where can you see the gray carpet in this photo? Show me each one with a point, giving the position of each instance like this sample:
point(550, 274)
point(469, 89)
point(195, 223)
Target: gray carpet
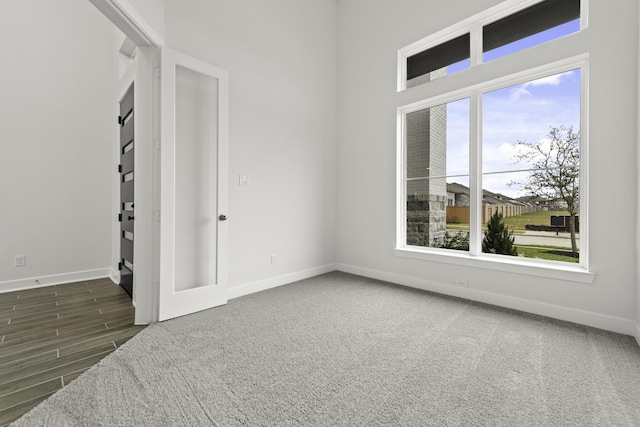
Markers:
point(343, 350)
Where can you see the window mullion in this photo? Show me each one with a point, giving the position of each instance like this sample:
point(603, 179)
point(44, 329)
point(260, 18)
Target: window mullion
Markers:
point(401, 167)
point(476, 44)
point(475, 172)
point(475, 156)
point(584, 14)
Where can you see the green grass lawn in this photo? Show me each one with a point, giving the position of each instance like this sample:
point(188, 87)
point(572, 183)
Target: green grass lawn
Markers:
point(517, 225)
point(458, 226)
point(545, 252)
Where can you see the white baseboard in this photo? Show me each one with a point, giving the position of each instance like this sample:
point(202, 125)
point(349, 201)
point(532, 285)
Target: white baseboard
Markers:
point(55, 279)
point(596, 320)
point(114, 275)
point(262, 285)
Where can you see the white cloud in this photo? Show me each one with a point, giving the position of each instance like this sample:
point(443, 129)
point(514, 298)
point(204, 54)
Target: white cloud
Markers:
point(517, 92)
point(522, 90)
point(500, 157)
point(553, 80)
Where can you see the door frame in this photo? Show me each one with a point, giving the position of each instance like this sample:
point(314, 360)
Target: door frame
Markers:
point(144, 71)
point(146, 189)
point(124, 16)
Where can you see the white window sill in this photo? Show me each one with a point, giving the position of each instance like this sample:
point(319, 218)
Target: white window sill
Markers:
point(518, 265)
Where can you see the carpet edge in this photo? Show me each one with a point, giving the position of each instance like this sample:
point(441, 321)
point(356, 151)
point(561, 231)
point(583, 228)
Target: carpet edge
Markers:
point(596, 320)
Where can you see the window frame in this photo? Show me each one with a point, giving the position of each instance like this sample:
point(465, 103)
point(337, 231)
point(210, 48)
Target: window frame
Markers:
point(473, 89)
point(473, 26)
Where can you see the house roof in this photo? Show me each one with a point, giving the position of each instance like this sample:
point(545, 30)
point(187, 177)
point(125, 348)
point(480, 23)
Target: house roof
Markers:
point(455, 188)
point(487, 196)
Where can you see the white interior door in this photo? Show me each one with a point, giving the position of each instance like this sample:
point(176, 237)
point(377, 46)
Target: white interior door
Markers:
point(194, 152)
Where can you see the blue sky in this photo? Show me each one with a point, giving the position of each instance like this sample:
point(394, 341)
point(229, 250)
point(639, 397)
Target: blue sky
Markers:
point(522, 112)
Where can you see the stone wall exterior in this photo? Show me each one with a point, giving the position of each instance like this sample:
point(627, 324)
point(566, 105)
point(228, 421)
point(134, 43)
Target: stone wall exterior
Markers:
point(426, 151)
point(426, 220)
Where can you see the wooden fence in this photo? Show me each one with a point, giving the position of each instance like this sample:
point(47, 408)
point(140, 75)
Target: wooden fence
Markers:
point(460, 214)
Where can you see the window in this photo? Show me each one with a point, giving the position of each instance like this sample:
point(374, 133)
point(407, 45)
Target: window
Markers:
point(494, 170)
point(441, 60)
point(437, 164)
point(500, 35)
point(531, 163)
point(542, 22)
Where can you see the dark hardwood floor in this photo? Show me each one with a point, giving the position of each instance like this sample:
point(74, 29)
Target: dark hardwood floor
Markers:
point(51, 335)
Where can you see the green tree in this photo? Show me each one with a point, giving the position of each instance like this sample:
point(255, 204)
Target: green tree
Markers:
point(498, 239)
point(555, 175)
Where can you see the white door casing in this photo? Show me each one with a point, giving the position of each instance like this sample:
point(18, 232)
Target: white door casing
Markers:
point(140, 71)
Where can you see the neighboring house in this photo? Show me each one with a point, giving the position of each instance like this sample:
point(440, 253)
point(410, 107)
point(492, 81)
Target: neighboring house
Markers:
point(458, 195)
point(458, 204)
point(543, 204)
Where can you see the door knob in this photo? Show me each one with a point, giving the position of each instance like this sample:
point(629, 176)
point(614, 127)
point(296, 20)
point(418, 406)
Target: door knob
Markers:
point(129, 217)
point(222, 217)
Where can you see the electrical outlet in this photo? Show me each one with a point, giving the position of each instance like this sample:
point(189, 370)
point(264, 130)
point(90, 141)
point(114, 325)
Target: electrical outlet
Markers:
point(274, 259)
point(21, 261)
point(462, 283)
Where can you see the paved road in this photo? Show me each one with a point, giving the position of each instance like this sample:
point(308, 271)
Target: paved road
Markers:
point(545, 238)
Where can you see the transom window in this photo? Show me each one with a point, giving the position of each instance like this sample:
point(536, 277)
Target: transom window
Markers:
point(497, 34)
point(539, 23)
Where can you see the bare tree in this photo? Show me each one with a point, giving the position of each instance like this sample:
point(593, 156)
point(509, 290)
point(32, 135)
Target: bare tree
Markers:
point(556, 170)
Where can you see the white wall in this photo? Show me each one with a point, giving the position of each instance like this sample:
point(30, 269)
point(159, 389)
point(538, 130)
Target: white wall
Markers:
point(281, 56)
point(370, 33)
point(637, 332)
point(152, 11)
point(56, 84)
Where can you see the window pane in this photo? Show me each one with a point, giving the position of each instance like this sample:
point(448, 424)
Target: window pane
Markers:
point(533, 40)
point(537, 24)
point(531, 158)
point(438, 61)
point(437, 172)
